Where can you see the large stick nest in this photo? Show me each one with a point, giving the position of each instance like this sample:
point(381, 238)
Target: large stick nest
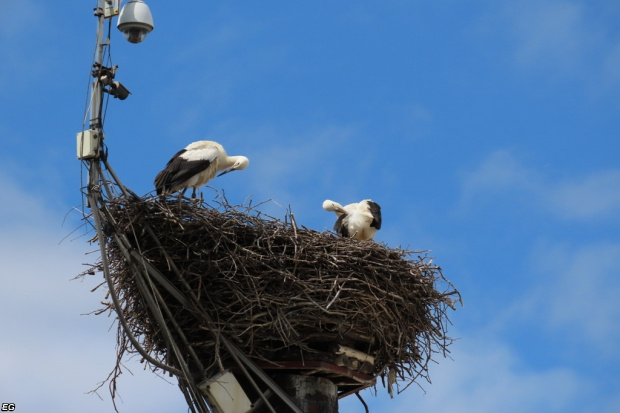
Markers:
point(277, 290)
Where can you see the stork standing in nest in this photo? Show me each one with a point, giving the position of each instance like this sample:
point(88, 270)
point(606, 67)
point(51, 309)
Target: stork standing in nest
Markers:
point(359, 220)
point(196, 165)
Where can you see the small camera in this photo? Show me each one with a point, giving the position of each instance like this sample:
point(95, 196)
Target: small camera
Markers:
point(135, 21)
point(118, 90)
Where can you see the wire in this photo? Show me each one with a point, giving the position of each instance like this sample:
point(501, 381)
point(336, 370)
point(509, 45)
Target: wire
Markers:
point(362, 400)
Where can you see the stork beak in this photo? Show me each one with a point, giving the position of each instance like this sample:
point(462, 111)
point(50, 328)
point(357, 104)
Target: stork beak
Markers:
point(227, 170)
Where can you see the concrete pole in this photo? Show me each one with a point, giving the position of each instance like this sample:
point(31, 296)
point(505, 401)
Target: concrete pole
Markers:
point(312, 394)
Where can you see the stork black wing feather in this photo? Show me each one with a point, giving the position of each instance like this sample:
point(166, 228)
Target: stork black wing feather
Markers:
point(175, 156)
point(340, 227)
point(375, 211)
point(177, 171)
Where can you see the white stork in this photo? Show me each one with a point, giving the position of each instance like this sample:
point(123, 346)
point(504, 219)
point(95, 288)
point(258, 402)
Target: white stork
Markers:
point(359, 220)
point(196, 165)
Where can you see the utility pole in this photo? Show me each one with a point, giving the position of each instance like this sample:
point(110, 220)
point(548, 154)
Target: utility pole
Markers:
point(135, 22)
point(311, 394)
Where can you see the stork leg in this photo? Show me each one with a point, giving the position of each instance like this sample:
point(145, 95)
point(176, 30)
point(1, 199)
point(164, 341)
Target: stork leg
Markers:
point(194, 199)
point(181, 195)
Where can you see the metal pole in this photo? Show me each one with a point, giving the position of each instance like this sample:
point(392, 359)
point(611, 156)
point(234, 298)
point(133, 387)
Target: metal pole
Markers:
point(97, 94)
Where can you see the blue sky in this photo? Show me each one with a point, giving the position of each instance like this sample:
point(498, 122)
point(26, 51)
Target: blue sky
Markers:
point(487, 132)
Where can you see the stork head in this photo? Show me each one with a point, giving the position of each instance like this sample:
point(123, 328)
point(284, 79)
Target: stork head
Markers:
point(238, 163)
point(332, 206)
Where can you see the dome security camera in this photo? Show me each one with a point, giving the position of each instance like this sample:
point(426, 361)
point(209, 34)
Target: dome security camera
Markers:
point(135, 21)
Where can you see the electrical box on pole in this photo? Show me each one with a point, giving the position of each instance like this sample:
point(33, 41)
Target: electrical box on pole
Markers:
point(225, 394)
point(88, 143)
point(111, 8)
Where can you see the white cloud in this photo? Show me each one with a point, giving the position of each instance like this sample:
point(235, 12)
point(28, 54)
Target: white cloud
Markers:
point(563, 39)
point(581, 287)
point(594, 196)
point(486, 375)
point(53, 354)
point(499, 171)
point(548, 32)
